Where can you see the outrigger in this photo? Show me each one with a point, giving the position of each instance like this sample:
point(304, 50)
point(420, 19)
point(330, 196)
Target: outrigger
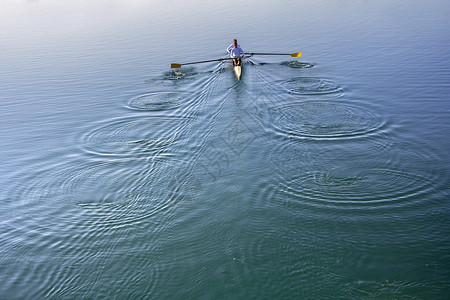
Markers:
point(238, 68)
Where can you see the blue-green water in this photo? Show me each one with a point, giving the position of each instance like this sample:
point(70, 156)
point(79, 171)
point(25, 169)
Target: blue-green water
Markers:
point(323, 177)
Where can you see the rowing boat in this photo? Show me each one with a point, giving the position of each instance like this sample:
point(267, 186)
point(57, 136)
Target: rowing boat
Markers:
point(237, 71)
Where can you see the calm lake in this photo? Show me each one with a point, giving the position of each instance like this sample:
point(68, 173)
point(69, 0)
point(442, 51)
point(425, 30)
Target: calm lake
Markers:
point(320, 177)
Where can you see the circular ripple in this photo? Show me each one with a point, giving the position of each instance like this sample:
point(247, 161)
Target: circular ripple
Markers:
point(156, 101)
point(371, 190)
point(175, 77)
point(180, 74)
point(111, 194)
point(78, 208)
point(309, 86)
point(297, 64)
point(130, 195)
point(133, 136)
point(72, 181)
point(324, 120)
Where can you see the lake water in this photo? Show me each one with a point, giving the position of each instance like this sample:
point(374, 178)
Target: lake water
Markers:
point(322, 177)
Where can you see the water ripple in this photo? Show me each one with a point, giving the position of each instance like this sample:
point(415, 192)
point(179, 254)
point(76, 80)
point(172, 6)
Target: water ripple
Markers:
point(84, 215)
point(134, 137)
point(309, 86)
point(180, 74)
point(156, 101)
point(297, 64)
point(111, 194)
point(372, 189)
point(321, 120)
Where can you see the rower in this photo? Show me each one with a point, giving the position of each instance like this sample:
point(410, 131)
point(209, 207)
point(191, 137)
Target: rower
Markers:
point(235, 51)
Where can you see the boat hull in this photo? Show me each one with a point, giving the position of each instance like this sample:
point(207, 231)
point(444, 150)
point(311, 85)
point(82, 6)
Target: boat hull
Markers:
point(237, 71)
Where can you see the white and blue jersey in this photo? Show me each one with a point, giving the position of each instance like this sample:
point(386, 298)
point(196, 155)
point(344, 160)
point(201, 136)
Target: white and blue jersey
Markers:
point(235, 52)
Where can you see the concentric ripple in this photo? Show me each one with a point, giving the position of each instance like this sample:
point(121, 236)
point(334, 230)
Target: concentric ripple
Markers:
point(174, 77)
point(132, 195)
point(76, 209)
point(309, 86)
point(156, 101)
point(179, 74)
point(324, 120)
point(297, 64)
point(112, 194)
point(370, 190)
point(134, 136)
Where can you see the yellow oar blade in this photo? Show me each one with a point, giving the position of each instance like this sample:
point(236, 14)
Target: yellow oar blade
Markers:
point(175, 66)
point(298, 54)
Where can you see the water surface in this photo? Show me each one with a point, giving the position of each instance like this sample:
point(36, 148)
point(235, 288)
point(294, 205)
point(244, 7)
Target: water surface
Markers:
point(320, 177)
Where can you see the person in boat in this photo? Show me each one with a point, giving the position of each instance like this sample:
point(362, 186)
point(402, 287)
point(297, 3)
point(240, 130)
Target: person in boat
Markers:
point(235, 51)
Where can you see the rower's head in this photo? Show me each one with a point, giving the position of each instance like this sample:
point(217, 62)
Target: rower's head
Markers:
point(235, 42)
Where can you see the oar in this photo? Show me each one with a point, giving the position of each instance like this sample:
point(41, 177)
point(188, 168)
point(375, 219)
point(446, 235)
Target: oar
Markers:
point(174, 66)
point(297, 54)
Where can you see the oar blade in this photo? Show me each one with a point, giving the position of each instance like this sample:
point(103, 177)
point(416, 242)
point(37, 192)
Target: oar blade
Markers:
point(175, 66)
point(298, 54)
